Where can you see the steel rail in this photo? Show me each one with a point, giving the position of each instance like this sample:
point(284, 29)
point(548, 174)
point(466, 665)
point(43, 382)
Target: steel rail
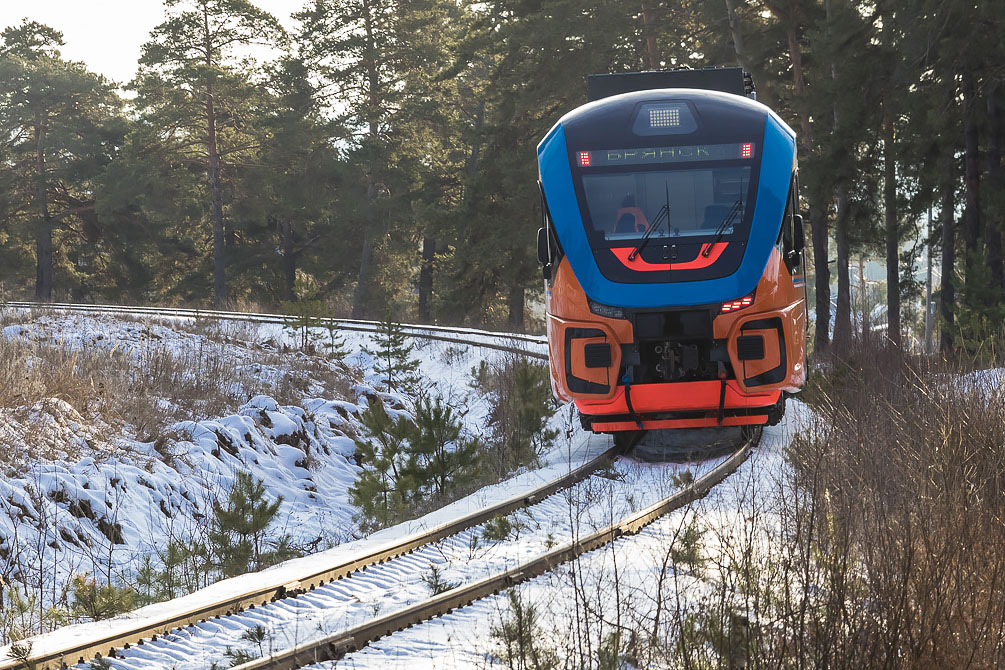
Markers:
point(106, 645)
point(429, 332)
point(334, 647)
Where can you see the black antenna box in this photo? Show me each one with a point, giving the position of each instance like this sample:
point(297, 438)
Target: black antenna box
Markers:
point(725, 79)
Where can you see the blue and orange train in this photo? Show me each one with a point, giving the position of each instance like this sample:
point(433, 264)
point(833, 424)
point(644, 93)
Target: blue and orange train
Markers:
point(673, 254)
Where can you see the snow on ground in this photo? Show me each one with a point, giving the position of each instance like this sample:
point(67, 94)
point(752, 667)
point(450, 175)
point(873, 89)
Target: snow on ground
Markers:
point(81, 492)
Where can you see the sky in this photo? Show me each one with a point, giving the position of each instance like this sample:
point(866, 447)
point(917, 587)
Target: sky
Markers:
point(107, 34)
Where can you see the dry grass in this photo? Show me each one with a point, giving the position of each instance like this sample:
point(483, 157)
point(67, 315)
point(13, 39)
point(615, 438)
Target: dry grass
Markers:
point(900, 523)
point(149, 384)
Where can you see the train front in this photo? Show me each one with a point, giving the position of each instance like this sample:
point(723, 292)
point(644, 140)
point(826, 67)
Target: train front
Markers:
point(673, 253)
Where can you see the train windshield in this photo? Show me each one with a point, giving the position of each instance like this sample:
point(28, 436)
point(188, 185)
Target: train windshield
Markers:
point(692, 202)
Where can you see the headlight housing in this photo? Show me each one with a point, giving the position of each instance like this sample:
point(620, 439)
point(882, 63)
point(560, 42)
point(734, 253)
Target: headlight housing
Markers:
point(606, 310)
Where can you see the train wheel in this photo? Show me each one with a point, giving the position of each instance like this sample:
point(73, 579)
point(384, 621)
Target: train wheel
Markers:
point(680, 445)
point(626, 440)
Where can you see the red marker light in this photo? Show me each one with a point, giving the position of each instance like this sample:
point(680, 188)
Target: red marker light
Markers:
point(739, 303)
point(584, 158)
point(746, 150)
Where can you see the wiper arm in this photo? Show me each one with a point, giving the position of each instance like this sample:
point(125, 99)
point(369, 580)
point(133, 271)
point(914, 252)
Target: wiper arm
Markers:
point(664, 213)
point(721, 230)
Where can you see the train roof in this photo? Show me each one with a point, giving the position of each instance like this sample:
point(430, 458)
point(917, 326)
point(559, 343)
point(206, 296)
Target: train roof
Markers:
point(716, 112)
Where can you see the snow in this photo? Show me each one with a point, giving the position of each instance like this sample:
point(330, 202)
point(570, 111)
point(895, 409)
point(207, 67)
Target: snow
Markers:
point(303, 453)
point(556, 463)
point(400, 582)
point(82, 493)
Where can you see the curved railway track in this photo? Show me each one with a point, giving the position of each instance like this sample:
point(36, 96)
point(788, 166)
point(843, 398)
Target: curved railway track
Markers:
point(337, 645)
point(532, 346)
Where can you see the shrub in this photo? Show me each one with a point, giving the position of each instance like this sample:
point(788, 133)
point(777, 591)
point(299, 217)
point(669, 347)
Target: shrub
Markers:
point(435, 581)
point(439, 458)
point(893, 543)
point(393, 357)
point(411, 462)
point(380, 490)
point(522, 405)
point(99, 601)
point(303, 318)
point(518, 637)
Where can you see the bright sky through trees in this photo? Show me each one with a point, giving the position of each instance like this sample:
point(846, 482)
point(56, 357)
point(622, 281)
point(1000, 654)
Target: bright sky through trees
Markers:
point(107, 35)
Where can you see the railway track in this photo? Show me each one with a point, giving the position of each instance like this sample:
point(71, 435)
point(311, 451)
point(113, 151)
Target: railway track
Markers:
point(532, 346)
point(335, 646)
point(368, 627)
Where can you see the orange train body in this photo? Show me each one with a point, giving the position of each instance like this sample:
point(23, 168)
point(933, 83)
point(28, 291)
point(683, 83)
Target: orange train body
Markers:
point(777, 296)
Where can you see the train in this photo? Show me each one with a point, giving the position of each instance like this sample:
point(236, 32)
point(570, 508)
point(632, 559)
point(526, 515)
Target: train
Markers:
point(672, 253)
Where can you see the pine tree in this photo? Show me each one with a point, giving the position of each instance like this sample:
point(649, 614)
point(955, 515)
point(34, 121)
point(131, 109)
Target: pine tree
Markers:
point(980, 316)
point(291, 197)
point(99, 601)
point(521, 407)
point(393, 357)
point(192, 79)
point(238, 534)
point(356, 48)
point(303, 320)
point(61, 126)
point(381, 488)
point(439, 458)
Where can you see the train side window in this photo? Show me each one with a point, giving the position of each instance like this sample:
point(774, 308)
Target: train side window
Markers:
point(549, 249)
point(785, 240)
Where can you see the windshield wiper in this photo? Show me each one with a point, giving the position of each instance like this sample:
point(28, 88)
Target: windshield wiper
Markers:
point(664, 213)
point(721, 230)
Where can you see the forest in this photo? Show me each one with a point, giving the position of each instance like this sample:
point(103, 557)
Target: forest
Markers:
point(383, 161)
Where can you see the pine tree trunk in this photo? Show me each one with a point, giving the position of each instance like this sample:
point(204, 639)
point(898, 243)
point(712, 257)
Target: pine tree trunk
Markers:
point(471, 165)
point(993, 224)
point(970, 159)
point(892, 236)
point(822, 275)
point(289, 258)
point(43, 229)
point(863, 299)
point(818, 206)
point(649, 30)
point(426, 279)
point(216, 213)
point(514, 302)
point(842, 317)
point(946, 288)
point(735, 34)
point(360, 293)
point(742, 59)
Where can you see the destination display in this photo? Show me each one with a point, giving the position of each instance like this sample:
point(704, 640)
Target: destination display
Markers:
point(664, 155)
